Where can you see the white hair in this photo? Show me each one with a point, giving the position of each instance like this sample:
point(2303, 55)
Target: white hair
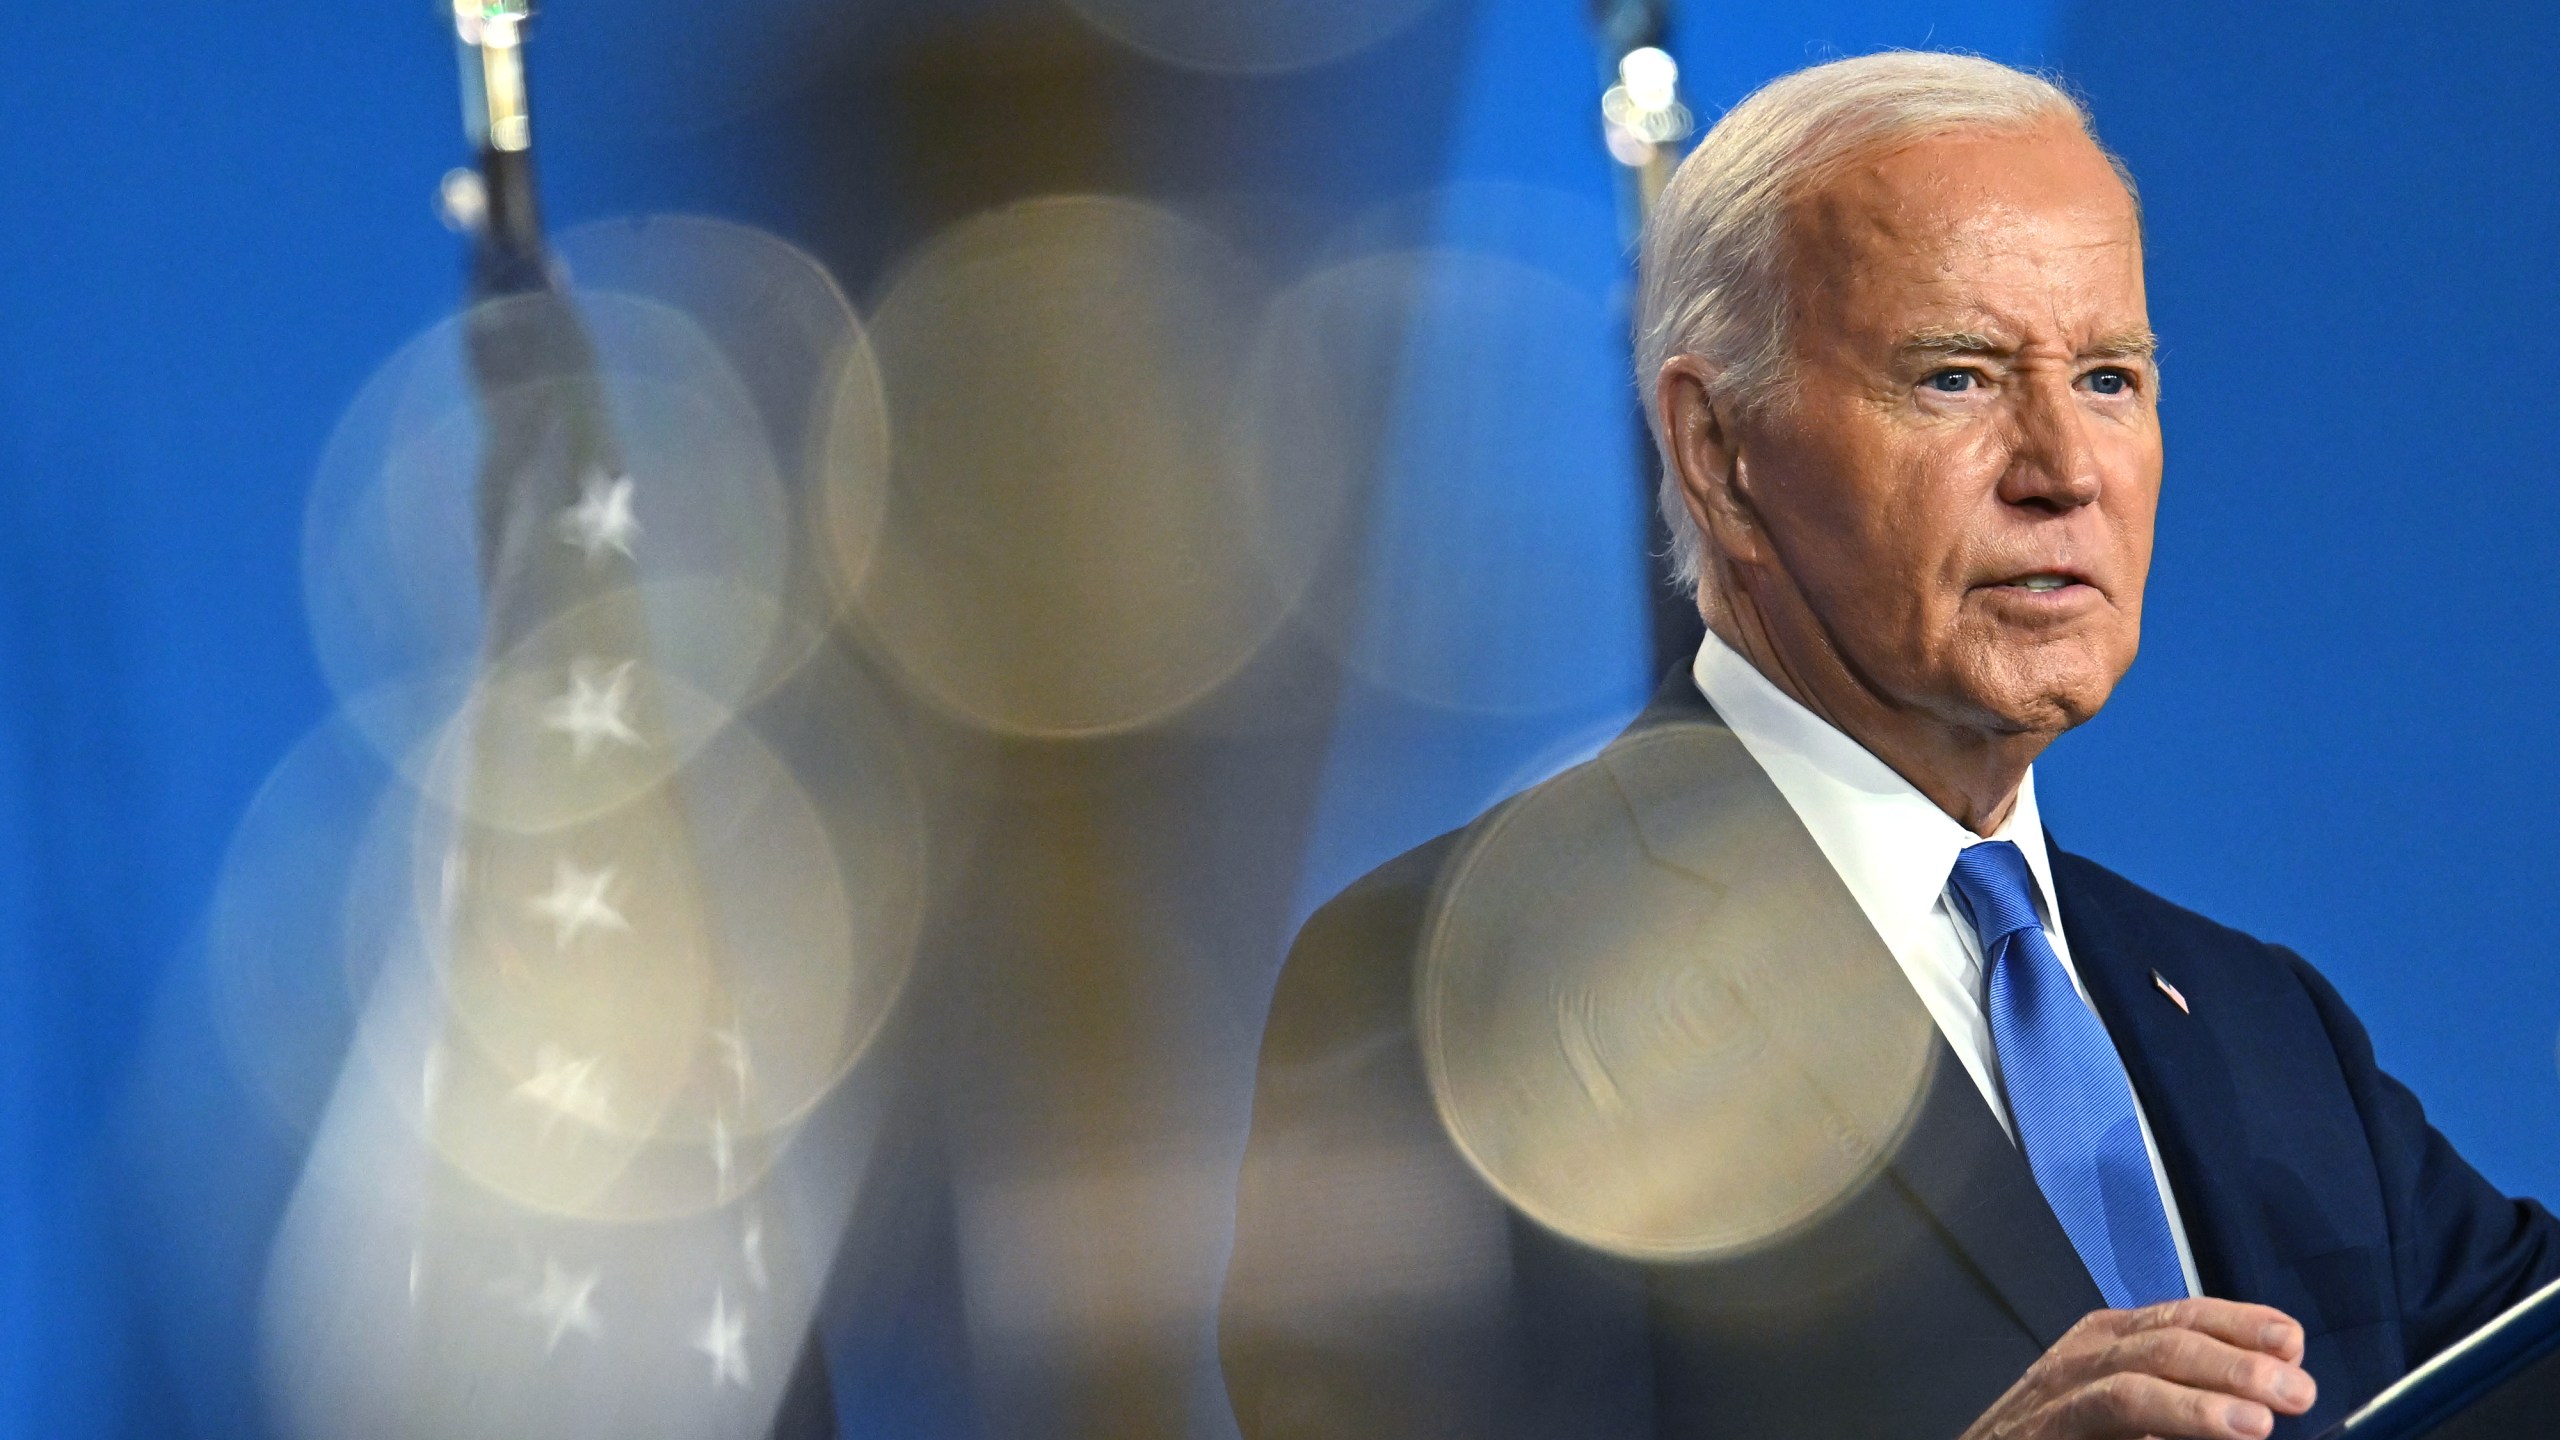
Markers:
point(1714, 261)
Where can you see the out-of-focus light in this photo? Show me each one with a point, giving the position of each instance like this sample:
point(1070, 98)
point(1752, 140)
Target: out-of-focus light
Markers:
point(1647, 125)
point(391, 564)
point(1249, 36)
point(1651, 76)
point(1452, 397)
point(1070, 543)
point(793, 340)
point(1642, 112)
point(1659, 1102)
point(1627, 148)
point(462, 201)
point(494, 98)
point(491, 22)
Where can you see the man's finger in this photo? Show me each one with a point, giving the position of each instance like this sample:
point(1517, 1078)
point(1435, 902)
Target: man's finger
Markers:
point(2197, 1360)
point(2251, 1327)
point(2128, 1403)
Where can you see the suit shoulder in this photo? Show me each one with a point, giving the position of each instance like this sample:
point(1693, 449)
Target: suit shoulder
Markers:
point(2231, 958)
point(1397, 890)
point(1351, 967)
point(1392, 902)
point(2085, 883)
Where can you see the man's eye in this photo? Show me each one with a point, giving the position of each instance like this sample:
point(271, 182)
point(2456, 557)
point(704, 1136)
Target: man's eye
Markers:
point(2109, 382)
point(1950, 382)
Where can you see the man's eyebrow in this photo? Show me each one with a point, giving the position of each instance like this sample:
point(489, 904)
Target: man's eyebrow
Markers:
point(2138, 344)
point(1950, 342)
point(2124, 345)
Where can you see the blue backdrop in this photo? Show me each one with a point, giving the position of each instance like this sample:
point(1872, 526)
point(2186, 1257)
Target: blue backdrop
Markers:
point(2336, 736)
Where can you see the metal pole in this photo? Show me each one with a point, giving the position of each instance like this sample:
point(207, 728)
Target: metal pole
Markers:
point(1645, 124)
point(498, 205)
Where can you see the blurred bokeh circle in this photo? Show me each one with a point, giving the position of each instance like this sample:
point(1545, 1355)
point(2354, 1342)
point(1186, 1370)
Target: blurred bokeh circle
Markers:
point(1249, 36)
point(1463, 404)
point(279, 991)
point(1650, 1028)
point(392, 565)
point(668, 67)
point(1072, 541)
point(804, 361)
point(628, 1018)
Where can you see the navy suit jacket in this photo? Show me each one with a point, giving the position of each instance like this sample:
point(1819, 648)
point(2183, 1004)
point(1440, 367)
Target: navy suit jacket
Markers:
point(1380, 1289)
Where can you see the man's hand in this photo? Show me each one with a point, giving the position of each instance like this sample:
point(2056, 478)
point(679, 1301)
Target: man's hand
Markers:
point(2186, 1370)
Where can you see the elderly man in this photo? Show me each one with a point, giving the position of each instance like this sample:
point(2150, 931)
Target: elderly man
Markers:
point(1774, 1074)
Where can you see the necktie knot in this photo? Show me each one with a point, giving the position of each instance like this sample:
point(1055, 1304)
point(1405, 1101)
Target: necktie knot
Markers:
point(1999, 895)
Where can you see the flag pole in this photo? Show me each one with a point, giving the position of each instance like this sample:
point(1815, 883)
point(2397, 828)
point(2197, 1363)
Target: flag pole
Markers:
point(1646, 125)
point(498, 204)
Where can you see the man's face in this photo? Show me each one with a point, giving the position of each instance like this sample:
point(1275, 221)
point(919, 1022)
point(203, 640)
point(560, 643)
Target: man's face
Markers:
point(1957, 496)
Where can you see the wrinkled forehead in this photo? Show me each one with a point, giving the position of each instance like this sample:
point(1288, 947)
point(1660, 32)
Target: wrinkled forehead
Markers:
point(2029, 228)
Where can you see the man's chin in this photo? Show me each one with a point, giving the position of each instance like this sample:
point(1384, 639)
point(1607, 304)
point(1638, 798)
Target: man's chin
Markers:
point(2046, 704)
point(2041, 689)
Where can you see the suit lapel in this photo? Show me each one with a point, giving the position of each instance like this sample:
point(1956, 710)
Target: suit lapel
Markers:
point(2176, 1063)
point(1958, 1164)
point(1951, 1158)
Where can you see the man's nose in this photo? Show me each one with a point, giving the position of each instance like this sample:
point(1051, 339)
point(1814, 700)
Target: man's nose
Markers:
point(2053, 463)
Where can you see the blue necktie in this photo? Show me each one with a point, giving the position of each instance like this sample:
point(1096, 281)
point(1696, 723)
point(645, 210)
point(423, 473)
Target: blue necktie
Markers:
point(2067, 1090)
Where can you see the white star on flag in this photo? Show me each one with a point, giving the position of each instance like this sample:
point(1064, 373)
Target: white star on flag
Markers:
point(592, 712)
point(724, 1339)
point(602, 518)
point(733, 1049)
point(577, 903)
point(723, 1154)
point(431, 1080)
point(567, 1086)
point(564, 1303)
point(751, 1249)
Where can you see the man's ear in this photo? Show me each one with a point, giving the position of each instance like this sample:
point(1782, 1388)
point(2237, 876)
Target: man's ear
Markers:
point(1698, 421)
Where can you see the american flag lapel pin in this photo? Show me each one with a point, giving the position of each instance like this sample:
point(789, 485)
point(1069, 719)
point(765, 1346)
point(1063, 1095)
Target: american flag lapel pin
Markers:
point(2171, 991)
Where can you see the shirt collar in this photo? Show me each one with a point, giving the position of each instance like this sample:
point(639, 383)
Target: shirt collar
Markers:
point(1891, 845)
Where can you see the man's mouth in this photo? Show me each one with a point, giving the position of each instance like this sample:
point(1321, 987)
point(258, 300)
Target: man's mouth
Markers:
point(2041, 582)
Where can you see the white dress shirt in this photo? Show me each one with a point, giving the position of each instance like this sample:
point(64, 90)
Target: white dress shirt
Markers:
point(1895, 849)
